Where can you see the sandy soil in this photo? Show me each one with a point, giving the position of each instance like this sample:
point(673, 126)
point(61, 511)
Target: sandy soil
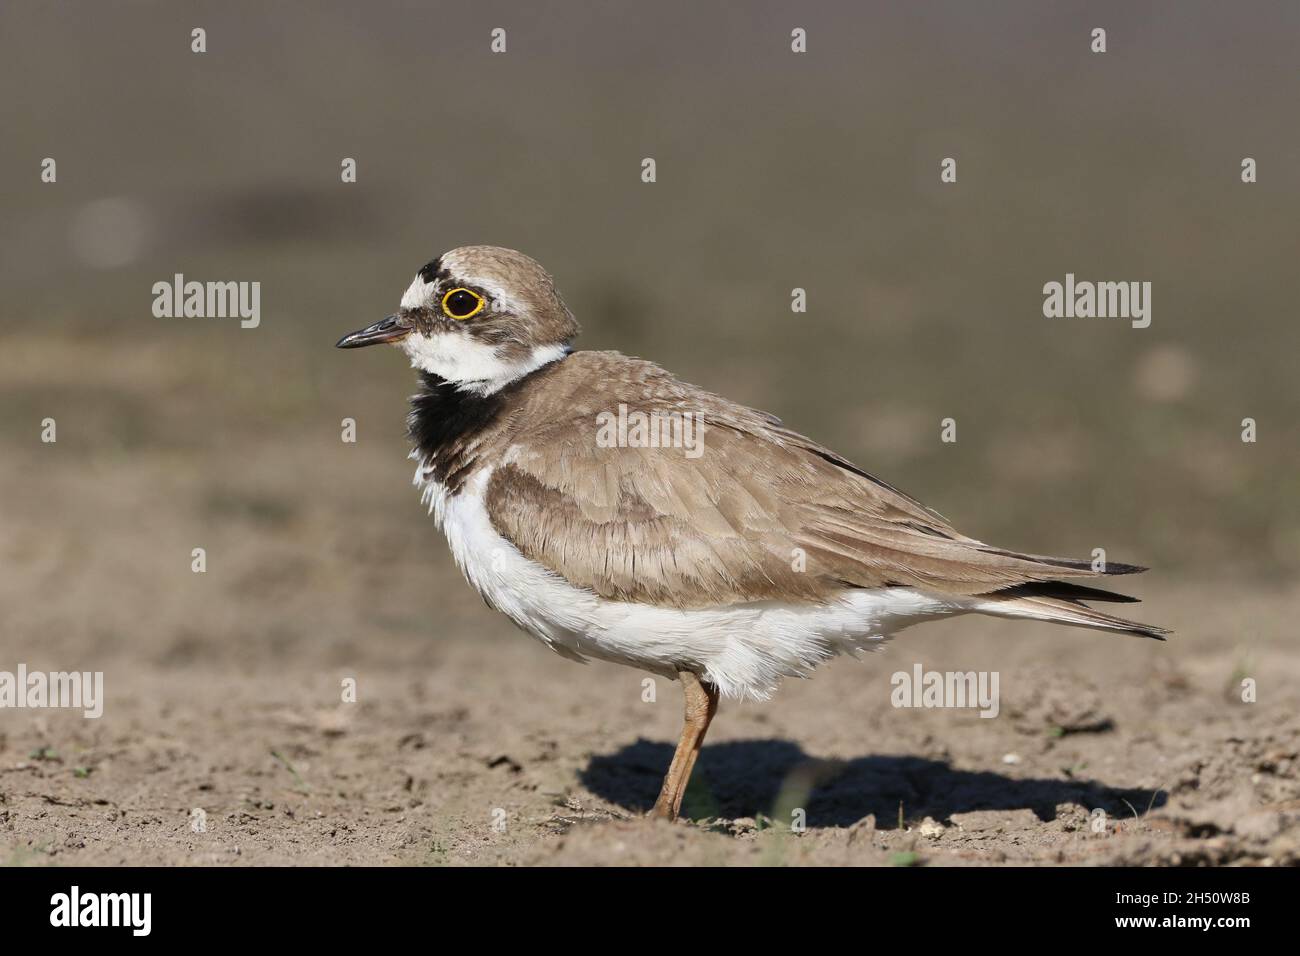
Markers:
point(471, 744)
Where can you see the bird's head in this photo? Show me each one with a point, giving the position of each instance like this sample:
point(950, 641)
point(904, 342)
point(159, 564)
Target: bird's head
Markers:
point(478, 317)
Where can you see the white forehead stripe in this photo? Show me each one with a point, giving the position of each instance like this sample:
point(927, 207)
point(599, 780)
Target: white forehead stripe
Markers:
point(417, 294)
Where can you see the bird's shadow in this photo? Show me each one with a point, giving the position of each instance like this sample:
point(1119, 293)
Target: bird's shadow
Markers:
point(746, 778)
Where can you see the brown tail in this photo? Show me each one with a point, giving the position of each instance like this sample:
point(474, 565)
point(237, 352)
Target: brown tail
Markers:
point(1051, 604)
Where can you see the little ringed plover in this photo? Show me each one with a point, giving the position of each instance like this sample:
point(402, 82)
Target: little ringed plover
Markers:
point(757, 557)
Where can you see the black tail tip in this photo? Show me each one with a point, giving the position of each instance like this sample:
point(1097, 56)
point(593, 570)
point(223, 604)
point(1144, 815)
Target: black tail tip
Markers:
point(1155, 633)
point(1114, 567)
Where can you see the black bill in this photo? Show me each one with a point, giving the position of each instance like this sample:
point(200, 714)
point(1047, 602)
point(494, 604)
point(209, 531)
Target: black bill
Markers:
point(389, 329)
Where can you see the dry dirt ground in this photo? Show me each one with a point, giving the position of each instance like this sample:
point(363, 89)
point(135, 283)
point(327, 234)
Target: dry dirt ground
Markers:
point(470, 744)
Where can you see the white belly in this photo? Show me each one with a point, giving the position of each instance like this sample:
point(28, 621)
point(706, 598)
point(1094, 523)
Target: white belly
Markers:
point(743, 649)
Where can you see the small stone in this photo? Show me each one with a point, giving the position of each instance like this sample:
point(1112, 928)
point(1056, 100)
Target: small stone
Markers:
point(1011, 758)
point(931, 828)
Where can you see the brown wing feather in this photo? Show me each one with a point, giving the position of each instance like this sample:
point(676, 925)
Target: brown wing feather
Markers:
point(764, 513)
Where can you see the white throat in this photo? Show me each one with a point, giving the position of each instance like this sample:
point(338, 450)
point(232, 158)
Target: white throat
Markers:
point(473, 366)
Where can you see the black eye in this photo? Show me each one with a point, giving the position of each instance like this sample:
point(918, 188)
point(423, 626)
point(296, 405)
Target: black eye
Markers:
point(462, 303)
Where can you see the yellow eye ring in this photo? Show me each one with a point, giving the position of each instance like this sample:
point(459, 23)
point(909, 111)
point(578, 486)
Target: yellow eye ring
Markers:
point(461, 304)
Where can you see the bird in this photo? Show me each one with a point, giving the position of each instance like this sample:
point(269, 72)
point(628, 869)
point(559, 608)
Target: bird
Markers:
point(751, 555)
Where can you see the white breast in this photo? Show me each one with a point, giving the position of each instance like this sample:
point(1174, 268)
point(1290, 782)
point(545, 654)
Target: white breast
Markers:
point(743, 649)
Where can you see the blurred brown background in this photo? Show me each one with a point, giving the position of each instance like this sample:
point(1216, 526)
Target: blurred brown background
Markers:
point(775, 170)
